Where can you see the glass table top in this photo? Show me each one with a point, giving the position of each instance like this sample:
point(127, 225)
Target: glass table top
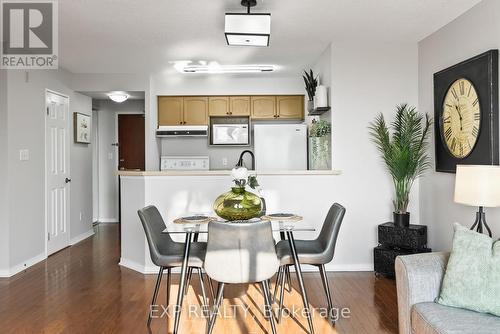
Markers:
point(277, 226)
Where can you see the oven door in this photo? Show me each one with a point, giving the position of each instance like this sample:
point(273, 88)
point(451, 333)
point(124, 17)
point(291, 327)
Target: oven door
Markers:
point(230, 134)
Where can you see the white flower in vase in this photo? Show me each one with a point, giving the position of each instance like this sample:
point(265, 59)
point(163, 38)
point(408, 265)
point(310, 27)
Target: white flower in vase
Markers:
point(240, 176)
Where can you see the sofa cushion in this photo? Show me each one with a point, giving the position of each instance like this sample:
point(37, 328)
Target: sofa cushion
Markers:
point(427, 318)
point(471, 278)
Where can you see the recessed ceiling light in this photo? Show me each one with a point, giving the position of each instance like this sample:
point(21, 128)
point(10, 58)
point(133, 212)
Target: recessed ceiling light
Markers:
point(118, 97)
point(248, 29)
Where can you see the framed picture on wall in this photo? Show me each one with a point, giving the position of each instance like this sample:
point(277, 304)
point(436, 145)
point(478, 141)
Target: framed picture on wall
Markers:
point(82, 128)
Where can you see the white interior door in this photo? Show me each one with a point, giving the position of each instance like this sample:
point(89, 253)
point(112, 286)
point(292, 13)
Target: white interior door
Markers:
point(57, 172)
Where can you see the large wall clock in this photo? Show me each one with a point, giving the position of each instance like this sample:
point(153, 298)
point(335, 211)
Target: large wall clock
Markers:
point(466, 113)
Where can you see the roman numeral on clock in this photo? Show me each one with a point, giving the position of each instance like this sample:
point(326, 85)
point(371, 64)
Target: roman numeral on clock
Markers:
point(476, 101)
point(477, 116)
point(462, 88)
point(475, 131)
point(447, 120)
point(447, 133)
point(454, 92)
point(453, 144)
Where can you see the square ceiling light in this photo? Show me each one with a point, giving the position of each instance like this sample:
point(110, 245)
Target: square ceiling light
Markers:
point(248, 29)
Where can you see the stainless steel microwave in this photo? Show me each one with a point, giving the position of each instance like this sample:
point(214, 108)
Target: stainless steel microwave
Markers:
point(230, 134)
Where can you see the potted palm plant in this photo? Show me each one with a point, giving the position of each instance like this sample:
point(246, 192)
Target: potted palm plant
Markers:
point(403, 147)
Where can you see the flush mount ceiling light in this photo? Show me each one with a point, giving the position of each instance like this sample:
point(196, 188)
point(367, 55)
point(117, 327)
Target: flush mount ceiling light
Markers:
point(248, 29)
point(118, 97)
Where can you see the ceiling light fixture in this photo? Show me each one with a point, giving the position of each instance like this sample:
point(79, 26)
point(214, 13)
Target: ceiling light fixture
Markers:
point(248, 29)
point(118, 97)
point(215, 68)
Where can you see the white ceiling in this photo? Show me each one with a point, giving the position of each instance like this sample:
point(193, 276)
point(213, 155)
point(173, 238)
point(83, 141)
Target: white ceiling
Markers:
point(133, 95)
point(131, 36)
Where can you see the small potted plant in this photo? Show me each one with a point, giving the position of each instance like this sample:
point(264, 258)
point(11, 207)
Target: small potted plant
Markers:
point(311, 82)
point(239, 204)
point(404, 152)
point(320, 145)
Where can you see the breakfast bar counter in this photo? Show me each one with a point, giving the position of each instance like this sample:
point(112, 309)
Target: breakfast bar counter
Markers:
point(175, 193)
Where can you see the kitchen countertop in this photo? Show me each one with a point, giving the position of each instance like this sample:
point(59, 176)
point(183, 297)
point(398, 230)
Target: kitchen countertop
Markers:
point(226, 172)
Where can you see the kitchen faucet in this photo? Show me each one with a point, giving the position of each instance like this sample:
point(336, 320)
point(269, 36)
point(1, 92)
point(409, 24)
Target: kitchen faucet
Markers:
point(240, 160)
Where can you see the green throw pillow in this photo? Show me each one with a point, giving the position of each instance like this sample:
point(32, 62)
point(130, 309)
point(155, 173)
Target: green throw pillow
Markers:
point(472, 278)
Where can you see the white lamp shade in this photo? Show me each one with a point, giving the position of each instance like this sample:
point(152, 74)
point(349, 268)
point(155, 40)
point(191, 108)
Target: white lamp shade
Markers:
point(247, 29)
point(478, 185)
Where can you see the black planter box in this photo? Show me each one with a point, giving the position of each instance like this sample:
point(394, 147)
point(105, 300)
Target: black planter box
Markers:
point(412, 237)
point(385, 257)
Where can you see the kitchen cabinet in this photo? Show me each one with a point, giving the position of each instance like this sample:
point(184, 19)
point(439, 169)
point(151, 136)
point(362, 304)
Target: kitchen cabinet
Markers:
point(263, 107)
point(218, 106)
point(170, 110)
point(179, 110)
point(239, 105)
point(195, 110)
point(290, 106)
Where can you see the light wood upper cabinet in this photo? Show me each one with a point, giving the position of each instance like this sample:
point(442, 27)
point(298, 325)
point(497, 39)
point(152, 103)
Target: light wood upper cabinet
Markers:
point(263, 107)
point(290, 106)
point(195, 110)
point(239, 105)
point(218, 106)
point(170, 110)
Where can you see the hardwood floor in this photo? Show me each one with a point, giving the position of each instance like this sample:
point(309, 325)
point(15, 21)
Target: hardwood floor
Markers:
point(82, 289)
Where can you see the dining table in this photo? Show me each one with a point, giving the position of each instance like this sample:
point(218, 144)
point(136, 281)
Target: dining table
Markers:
point(285, 227)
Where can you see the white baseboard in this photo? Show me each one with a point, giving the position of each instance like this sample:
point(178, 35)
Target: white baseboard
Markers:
point(108, 220)
point(305, 268)
point(137, 266)
point(23, 266)
point(349, 267)
point(81, 237)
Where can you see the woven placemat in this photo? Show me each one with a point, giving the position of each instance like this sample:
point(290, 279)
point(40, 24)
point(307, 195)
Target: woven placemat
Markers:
point(194, 220)
point(283, 217)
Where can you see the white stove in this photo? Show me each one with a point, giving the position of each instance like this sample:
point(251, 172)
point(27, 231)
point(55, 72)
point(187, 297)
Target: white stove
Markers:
point(170, 162)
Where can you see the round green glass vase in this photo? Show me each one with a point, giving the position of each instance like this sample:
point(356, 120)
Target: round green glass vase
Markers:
point(238, 204)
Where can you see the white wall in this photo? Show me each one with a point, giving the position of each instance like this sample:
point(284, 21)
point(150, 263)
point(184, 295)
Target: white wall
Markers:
point(4, 226)
point(366, 78)
point(26, 105)
point(108, 154)
point(126, 82)
point(95, 165)
point(81, 174)
point(476, 31)
point(26, 193)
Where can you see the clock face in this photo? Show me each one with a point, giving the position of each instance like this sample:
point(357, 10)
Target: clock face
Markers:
point(460, 118)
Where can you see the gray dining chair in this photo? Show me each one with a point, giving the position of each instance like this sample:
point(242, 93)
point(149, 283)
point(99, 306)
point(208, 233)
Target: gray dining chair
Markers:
point(168, 254)
point(250, 250)
point(317, 252)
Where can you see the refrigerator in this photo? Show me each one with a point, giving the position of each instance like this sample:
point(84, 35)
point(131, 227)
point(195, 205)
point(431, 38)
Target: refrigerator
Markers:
point(280, 146)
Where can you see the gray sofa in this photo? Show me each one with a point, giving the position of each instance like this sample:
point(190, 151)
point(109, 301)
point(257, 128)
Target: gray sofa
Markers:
point(418, 280)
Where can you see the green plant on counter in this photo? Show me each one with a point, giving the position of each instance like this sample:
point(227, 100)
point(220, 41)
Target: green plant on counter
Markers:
point(405, 151)
point(311, 83)
point(320, 128)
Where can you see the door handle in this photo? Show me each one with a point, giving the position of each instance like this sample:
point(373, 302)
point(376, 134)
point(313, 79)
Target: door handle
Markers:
point(67, 180)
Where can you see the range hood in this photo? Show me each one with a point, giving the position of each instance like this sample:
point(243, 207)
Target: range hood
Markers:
point(182, 131)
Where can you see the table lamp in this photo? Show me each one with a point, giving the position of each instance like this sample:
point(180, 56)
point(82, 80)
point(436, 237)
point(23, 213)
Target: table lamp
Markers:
point(478, 185)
